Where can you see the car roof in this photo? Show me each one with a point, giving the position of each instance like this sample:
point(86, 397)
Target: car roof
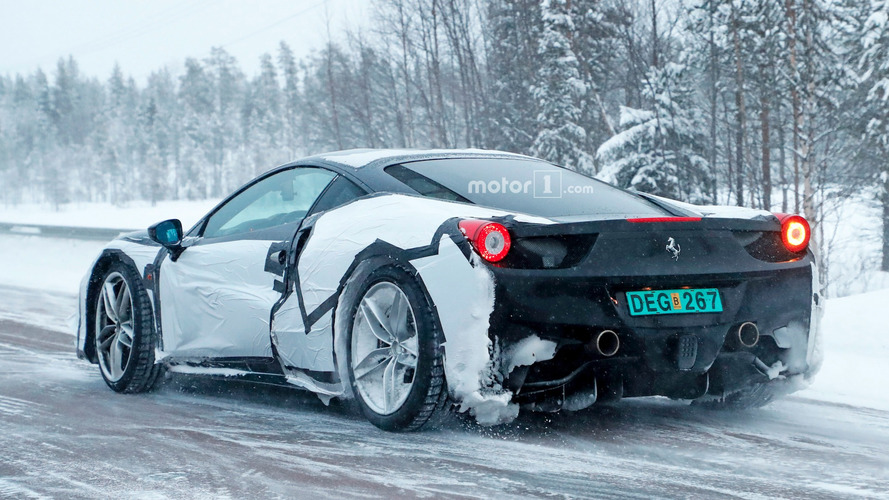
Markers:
point(364, 158)
point(366, 165)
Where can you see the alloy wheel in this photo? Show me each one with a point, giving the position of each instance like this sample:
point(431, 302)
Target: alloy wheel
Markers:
point(115, 328)
point(385, 348)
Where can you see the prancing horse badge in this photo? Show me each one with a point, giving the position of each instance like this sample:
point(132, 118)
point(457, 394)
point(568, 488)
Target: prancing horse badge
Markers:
point(673, 248)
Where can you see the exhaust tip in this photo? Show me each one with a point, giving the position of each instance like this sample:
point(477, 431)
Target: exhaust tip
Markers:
point(748, 334)
point(607, 343)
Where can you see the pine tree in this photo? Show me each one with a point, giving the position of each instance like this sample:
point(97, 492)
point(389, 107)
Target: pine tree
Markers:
point(875, 67)
point(228, 92)
point(765, 50)
point(7, 140)
point(263, 118)
point(661, 151)
point(325, 123)
point(45, 151)
point(290, 100)
point(596, 41)
point(513, 59)
point(154, 170)
point(165, 133)
point(23, 134)
point(558, 91)
point(118, 140)
point(196, 95)
point(708, 52)
point(369, 106)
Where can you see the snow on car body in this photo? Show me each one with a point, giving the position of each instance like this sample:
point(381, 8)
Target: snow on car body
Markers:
point(411, 280)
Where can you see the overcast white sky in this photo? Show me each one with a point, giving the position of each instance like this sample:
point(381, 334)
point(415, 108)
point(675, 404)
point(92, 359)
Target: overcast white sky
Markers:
point(144, 35)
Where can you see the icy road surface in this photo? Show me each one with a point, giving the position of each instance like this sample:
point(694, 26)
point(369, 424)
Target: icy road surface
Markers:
point(64, 434)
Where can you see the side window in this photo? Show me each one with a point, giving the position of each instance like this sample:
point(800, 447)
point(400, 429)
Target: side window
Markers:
point(423, 185)
point(282, 198)
point(340, 192)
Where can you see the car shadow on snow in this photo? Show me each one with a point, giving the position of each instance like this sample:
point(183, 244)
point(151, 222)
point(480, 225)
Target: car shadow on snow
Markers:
point(606, 421)
point(260, 396)
point(611, 421)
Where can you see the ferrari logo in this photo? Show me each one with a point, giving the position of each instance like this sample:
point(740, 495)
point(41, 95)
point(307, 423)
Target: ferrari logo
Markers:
point(673, 248)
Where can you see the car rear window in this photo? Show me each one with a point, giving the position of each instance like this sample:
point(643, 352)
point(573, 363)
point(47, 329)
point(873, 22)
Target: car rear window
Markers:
point(520, 185)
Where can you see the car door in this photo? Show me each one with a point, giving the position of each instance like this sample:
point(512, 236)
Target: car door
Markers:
point(301, 342)
point(217, 296)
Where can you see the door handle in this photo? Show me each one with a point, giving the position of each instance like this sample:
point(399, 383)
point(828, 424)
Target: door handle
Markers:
point(280, 257)
point(276, 258)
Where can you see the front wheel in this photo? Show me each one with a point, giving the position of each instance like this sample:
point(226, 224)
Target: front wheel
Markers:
point(124, 334)
point(395, 359)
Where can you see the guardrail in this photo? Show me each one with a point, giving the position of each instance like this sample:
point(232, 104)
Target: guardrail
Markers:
point(69, 232)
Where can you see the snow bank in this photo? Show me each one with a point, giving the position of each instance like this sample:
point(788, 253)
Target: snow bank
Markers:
point(51, 264)
point(57, 264)
point(851, 237)
point(855, 331)
point(135, 215)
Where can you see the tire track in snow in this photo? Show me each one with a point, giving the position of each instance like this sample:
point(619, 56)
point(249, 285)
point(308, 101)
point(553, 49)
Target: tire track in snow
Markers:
point(11, 489)
point(18, 407)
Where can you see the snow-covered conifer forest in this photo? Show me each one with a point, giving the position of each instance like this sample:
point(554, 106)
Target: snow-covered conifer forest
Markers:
point(773, 104)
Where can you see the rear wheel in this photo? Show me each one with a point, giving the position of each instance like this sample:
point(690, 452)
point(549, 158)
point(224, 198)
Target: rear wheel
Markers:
point(395, 361)
point(124, 335)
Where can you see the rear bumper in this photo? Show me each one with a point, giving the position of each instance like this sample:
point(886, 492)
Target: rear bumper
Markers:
point(654, 354)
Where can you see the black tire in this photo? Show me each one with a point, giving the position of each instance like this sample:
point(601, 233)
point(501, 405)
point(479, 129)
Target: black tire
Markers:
point(426, 405)
point(141, 373)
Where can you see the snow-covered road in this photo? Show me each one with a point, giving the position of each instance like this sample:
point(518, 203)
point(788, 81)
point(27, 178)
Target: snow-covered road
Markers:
point(63, 434)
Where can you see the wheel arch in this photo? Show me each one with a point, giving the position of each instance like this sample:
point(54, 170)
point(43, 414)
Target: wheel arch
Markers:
point(378, 255)
point(108, 258)
point(424, 235)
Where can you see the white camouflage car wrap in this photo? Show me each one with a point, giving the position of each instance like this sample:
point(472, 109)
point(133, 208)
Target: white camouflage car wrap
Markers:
point(285, 297)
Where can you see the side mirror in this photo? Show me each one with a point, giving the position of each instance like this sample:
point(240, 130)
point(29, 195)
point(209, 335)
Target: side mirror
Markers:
point(167, 233)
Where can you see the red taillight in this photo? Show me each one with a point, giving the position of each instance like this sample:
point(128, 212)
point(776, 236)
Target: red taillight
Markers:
point(490, 239)
point(795, 232)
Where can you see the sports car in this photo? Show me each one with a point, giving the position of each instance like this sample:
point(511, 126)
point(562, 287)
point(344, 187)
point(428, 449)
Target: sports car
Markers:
point(423, 283)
